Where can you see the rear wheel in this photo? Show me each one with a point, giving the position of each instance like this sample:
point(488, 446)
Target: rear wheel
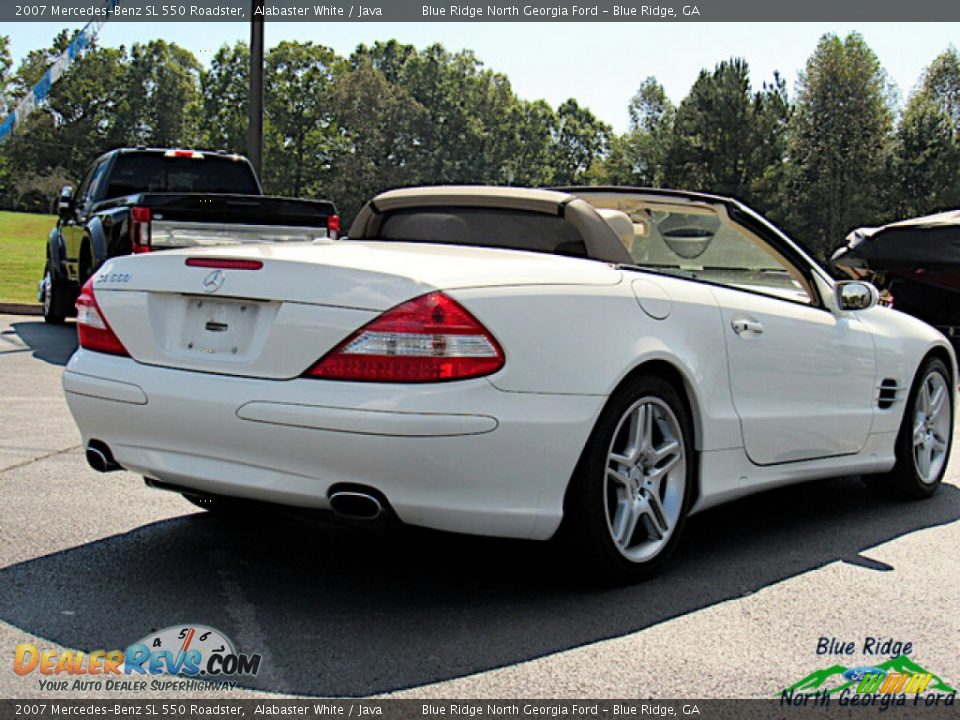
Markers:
point(926, 434)
point(85, 267)
point(53, 297)
point(629, 497)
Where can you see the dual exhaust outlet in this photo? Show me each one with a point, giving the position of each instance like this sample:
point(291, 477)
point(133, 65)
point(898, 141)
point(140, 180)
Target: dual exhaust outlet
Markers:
point(100, 458)
point(357, 503)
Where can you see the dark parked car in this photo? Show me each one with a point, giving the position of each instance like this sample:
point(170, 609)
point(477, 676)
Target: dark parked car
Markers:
point(916, 262)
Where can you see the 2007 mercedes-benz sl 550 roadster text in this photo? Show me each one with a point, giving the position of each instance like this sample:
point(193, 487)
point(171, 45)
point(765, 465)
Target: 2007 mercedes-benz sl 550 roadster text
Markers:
point(598, 362)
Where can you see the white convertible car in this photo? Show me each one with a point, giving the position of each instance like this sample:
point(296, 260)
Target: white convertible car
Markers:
point(601, 362)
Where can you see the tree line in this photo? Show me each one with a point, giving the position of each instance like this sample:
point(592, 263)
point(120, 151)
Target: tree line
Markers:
point(840, 153)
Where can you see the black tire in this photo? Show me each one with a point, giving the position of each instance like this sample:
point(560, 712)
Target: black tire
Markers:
point(85, 267)
point(594, 501)
point(54, 297)
point(906, 479)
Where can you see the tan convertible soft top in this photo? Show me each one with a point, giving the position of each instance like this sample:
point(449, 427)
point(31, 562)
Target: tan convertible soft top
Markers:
point(599, 238)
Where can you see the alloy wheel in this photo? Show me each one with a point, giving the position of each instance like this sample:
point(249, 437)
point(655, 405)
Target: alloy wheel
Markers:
point(645, 479)
point(931, 427)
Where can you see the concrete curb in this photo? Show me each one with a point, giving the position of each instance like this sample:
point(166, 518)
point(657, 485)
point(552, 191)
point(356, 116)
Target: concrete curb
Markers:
point(20, 309)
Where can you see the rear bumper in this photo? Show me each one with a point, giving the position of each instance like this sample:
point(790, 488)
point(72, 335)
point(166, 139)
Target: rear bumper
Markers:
point(461, 456)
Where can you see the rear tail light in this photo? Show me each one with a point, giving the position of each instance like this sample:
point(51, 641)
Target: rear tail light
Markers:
point(93, 330)
point(333, 227)
point(428, 339)
point(140, 229)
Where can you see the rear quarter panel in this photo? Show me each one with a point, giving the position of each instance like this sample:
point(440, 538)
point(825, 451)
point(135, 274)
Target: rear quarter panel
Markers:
point(587, 340)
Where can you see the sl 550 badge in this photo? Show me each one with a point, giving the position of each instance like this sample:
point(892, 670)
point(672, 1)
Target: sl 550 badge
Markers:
point(113, 277)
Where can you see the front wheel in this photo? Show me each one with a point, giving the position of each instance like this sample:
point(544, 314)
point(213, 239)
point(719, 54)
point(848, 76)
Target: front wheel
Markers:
point(630, 494)
point(926, 434)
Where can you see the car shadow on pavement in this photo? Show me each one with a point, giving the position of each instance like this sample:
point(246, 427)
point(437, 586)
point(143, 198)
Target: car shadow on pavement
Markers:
point(53, 344)
point(337, 611)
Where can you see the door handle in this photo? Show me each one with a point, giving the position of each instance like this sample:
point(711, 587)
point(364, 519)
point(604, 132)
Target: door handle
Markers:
point(742, 325)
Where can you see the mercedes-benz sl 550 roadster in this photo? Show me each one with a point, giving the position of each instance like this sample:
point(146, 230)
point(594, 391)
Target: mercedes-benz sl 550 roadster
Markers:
point(595, 362)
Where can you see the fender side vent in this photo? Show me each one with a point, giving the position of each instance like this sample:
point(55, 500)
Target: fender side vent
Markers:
point(889, 393)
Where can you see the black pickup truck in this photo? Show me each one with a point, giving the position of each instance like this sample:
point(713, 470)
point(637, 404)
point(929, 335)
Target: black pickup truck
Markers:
point(140, 200)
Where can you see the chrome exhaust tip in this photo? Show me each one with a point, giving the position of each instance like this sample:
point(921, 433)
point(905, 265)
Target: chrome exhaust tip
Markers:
point(356, 505)
point(100, 458)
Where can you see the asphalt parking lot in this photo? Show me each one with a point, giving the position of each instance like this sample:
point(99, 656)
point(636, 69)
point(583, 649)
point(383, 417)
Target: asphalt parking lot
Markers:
point(91, 561)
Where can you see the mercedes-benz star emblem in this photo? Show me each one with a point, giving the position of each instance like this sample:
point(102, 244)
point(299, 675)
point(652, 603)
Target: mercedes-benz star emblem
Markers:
point(213, 281)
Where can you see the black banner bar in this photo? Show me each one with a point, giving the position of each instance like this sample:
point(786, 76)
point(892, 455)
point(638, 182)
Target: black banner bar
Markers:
point(815, 706)
point(483, 11)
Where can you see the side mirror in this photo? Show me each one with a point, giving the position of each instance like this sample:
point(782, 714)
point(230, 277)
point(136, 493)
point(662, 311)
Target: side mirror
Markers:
point(856, 295)
point(65, 202)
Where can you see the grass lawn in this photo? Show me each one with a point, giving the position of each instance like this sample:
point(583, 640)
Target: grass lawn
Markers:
point(23, 242)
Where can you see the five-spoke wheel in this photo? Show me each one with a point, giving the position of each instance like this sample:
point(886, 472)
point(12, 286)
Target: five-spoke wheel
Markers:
point(645, 478)
point(926, 434)
point(931, 427)
point(629, 497)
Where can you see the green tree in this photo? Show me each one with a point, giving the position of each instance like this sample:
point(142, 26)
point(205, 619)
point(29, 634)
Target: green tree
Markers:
point(300, 137)
point(580, 140)
point(725, 137)
point(381, 129)
point(650, 109)
point(224, 92)
point(162, 102)
point(637, 156)
point(530, 163)
point(75, 122)
point(85, 107)
point(926, 163)
point(479, 130)
point(388, 57)
point(471, 138)
point(941, 83)
point(766, 188)
point(841, 137)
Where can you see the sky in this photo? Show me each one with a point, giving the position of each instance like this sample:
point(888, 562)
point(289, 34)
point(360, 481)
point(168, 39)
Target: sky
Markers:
point(599, 64)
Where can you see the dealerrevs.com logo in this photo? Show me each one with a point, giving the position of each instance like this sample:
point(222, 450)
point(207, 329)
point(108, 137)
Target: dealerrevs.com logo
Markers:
point(181, 657)
point(895, 681)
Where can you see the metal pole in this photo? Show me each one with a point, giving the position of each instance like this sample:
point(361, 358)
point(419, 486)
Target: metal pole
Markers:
point(255, 126)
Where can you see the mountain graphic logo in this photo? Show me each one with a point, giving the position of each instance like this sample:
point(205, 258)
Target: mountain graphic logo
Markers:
point(836, 678)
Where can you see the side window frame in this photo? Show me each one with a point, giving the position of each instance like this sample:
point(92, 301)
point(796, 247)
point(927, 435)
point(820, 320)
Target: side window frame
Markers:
point(79, 200)
point(95, 178)
point(800, 274)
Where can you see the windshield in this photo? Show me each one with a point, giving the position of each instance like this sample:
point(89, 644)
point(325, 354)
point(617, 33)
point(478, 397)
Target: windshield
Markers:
point(697, 240)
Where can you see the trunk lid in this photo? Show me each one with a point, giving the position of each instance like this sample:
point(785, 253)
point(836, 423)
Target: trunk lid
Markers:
point(298, 301)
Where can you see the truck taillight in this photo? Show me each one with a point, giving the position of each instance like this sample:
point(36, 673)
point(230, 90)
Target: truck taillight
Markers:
point(192, 154)
point(93, 330)
point(333, 227)
point(140, 229)
point(431, 338)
